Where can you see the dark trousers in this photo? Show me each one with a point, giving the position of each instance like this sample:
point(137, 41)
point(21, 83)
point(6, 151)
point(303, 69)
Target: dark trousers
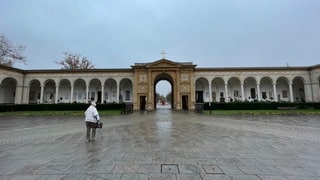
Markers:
point(91, 126)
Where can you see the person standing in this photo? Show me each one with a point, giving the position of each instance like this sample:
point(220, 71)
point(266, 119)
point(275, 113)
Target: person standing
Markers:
point(91, 119)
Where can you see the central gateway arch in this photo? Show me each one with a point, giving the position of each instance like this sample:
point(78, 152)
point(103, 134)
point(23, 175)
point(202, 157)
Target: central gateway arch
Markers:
point(179, 75)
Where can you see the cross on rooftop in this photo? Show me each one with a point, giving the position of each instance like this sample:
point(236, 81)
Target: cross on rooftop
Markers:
point(163, 53)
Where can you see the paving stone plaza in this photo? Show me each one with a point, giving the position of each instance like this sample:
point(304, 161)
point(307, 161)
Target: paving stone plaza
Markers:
point(162, 144)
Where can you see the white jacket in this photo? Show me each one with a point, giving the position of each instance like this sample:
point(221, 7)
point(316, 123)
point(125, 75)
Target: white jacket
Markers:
point(92, 114)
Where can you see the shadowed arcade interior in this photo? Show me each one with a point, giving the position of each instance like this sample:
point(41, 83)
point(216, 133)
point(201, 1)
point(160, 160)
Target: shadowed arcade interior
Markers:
point(161, 98)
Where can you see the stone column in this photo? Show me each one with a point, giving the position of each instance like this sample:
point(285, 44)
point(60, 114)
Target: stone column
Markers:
point(71, 95)
point(18, 94)
point(41, 94)
point(210, 93)
point(25, 98)
point(242, 92)
point(290, 92)
point(118, 92)
point(258, 91)
point(57, 95)
point(87, 94)
point(179, 103)
point(308, 94)
point(102, 94)
point(275, 93)
point(226, 92)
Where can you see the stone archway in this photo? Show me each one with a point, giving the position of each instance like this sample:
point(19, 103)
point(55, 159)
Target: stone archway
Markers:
point(179, 75)
point(170, 80)
point(8, 90)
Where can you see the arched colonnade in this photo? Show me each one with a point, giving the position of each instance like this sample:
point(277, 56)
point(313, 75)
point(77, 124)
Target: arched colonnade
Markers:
point(80, 90)
point(229, 89)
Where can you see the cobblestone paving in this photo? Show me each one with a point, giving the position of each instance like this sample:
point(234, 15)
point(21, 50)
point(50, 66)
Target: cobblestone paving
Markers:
point(163, 144)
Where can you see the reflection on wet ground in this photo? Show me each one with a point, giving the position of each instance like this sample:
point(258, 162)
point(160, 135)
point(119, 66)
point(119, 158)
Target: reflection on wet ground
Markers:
point(162, 144)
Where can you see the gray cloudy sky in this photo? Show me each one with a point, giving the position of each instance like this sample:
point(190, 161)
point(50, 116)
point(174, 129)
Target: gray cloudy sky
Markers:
point(210, 33)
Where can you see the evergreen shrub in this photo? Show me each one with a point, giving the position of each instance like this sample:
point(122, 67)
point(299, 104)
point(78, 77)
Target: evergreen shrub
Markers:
point(58, 107)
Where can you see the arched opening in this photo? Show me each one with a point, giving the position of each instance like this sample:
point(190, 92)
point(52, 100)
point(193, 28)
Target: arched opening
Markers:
point(218, 90)
point(250, 91)
point(163, 92)
point(202, 90)
point(266, 89)
point(8, 90)
point(49, 92)
point(64, 91)
point(234, 89)
point(163, 95)
point(283, 89)
point(79, 92)
point(110, 91)
point(125, 90)
point(34, 91)
point(298, 89)
point(95, 91)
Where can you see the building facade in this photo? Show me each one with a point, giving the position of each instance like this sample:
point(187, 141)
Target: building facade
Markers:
point(189, 85)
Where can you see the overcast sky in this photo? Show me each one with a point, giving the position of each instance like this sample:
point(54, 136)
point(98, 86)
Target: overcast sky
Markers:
point(210, 33)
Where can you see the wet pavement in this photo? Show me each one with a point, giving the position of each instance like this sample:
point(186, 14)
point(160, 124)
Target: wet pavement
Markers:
point(162, 144)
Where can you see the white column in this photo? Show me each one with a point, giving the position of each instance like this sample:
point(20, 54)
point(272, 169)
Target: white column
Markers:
point(41, 94)
point(26, 92)
point(87, 94)
point(57, 95)
point(71, 95)
point(102, 94)
point(242, 92)
point(18, 94)
point(291, 92)
point(275, 93)
point(308, 92)
point(258, 91)
point(118, 93)
point(210, 93)
point(226, 92)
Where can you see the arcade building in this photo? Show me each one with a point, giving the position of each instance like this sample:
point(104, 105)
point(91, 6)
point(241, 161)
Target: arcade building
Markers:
point(137, 85)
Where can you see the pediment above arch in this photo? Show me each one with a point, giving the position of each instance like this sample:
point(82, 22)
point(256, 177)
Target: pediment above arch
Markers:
point(164, 63)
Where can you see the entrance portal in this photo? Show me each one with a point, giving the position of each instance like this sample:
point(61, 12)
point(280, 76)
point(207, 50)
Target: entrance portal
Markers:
point(185, 103)
point(143, 102)
point(163, 95)
point(164, 101)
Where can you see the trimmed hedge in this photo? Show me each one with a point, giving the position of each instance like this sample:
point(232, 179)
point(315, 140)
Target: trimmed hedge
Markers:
point(259, 105)
point(58, 107)
point(118, 106)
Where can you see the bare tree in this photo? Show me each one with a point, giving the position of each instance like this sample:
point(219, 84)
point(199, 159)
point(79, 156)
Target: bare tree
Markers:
point(74, 61)
point(9, 53)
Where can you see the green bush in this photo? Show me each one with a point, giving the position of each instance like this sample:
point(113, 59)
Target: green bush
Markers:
point(58, 107)
point(259, 105)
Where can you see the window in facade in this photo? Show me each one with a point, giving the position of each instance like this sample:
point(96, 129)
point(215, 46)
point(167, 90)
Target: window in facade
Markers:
point(264, 95)
point(199, 96)
point(79, 95)
point(236, 93)
point(127, 95)
point(106, 95)
point(253, 93)
point(213, 96)
point(93, 95)
point(32, 96)
point(285, 94)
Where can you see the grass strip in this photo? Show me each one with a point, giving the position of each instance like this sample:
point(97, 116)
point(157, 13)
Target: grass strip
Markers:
point(263, 112)
point(57, 113)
